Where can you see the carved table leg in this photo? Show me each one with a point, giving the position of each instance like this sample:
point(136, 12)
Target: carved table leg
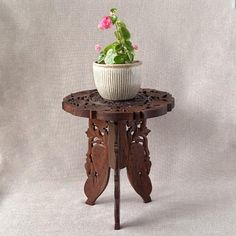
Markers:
point(117, 180)
point(97, 164)
point(138, 163)
point(115, 163)
point(124, 145)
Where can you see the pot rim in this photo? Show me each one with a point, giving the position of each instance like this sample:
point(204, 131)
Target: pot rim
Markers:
point(134, 63)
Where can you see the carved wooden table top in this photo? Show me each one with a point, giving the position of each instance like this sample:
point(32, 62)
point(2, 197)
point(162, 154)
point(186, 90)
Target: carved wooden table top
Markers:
point(148, 103)
point(117, 139)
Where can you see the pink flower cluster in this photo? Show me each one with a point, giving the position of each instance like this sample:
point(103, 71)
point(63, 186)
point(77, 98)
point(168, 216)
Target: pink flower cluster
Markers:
point(135, 46)
point(98, 47)
point(105, 23)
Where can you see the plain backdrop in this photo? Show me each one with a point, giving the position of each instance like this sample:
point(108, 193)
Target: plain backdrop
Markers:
point(188, 48)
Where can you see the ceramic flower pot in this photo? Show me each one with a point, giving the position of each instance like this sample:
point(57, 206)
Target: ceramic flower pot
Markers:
point(117, 81)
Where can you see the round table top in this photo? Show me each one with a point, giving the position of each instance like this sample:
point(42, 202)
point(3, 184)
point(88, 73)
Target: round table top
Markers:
point(148, 103)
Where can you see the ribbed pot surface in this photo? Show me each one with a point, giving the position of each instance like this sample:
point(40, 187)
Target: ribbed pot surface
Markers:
point(118, 81)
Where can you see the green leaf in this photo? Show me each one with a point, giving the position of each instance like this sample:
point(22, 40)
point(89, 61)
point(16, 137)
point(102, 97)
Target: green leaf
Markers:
point(118, 35)
point(113, 10)
point(125, 33)
point(120, 59)
point(130, 56)
point(113, 19)
point(108, 47)
point(128, 45)
point(120, 24)
point(101, 57)
point(109, 58)
point(115, 44)
point(118, 47)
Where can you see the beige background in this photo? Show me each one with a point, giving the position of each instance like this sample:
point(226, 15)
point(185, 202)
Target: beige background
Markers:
point(188, 48)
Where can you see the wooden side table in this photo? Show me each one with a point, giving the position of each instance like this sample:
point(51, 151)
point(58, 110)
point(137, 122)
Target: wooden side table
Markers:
point(117, 138)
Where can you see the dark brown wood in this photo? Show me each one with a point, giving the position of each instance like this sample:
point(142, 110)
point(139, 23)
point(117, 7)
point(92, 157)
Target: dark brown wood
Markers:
point(139, 164)
point(118, 139)
point(123, 154)
point(148, 103)
point(115, 147)
point(96, 165)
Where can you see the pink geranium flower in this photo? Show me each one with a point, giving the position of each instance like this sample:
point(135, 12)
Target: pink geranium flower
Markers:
point(105, 23)
point(98, 48)
point(135, 46)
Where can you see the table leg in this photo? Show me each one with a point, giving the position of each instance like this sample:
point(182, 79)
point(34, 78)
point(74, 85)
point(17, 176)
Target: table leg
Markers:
point(97, 164)
point(117, 180)
point(138, 163)
point(114, 156)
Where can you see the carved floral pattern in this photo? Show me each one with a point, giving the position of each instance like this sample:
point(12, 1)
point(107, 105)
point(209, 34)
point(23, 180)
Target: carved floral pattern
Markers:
point(96, 165)
point(139, 164)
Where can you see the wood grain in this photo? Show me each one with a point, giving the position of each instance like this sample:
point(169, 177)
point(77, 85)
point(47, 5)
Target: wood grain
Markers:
point(139, 164)
point(148, 103)
point(96, 165)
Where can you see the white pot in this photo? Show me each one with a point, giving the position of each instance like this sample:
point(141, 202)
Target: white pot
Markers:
point(117, 81)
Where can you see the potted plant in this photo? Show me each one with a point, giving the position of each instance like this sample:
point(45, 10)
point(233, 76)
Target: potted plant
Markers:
point(116, 73)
